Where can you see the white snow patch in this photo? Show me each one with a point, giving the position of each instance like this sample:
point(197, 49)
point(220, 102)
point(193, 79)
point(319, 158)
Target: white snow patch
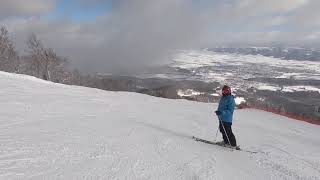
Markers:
point(28, 78)
point(268, 88)
point(188, 92)
point(239, 100)
point(216, 77)
point(228, 74)
point(288, 75)
point(299, 76)
point(261, 47)
point(215, 94)
point(300, 88)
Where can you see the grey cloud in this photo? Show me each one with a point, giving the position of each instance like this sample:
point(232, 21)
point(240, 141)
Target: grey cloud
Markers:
point(140, 33)
point(306, 18)
point(16, 8)
point(145, 32)
point(273, 21)
point(136, 34)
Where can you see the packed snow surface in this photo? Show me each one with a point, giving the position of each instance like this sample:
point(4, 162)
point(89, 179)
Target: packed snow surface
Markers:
point(53, 131)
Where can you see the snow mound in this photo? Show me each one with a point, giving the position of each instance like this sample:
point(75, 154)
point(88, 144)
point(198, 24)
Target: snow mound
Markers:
point(50, 131)
point(239, 100)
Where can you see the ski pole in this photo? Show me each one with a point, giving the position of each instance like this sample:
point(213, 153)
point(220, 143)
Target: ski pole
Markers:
point(216, 134)
point(224, 130)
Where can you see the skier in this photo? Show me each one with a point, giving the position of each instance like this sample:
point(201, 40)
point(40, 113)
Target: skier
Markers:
point(225, 115)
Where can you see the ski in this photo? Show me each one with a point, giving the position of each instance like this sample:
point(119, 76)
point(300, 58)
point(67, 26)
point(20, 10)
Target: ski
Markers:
point(218, 144)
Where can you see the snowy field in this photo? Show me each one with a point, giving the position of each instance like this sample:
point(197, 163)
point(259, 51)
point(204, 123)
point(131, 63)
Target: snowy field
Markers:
point(53, 131)
point(236, 69)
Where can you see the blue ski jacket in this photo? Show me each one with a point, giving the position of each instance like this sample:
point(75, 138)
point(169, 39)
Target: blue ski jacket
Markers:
point(226, 107)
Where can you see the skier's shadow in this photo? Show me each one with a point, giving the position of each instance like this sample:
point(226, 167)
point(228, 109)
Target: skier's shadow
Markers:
point(168, 131)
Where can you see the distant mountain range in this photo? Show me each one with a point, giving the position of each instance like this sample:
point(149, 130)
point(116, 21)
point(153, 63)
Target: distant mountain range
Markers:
point(288, 53)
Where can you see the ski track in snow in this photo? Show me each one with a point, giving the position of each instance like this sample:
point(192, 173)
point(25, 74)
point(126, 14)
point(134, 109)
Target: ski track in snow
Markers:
point(54, 131)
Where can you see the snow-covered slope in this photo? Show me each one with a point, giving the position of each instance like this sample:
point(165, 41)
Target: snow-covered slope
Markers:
point(53, 131)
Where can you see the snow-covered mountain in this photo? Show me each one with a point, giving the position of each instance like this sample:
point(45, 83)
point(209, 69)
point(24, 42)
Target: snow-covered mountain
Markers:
point(289, 53)
point(54, 131)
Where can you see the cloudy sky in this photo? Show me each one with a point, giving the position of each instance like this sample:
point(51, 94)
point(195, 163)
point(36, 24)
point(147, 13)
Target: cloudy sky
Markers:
point(124, 35)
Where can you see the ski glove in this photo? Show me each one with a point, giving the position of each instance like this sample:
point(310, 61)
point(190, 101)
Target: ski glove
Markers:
point(218, 113)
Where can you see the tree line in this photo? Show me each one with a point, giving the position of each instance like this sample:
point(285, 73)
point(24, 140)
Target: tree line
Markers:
point(39, 61)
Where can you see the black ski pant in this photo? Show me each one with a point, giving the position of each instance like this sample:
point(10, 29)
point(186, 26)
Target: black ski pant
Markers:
point(226, 131)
